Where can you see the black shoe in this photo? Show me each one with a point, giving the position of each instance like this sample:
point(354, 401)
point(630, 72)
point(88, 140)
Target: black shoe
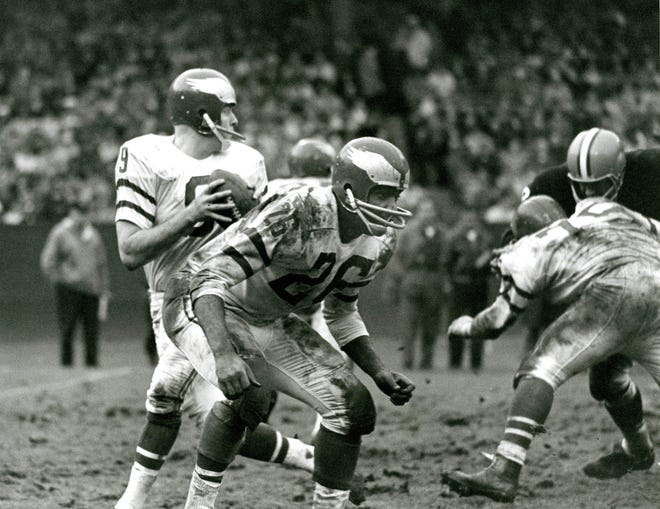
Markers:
point(491, 482)
point(618, 463)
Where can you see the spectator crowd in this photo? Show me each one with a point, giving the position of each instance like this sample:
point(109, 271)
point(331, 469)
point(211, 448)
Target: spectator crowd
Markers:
point(478, 99)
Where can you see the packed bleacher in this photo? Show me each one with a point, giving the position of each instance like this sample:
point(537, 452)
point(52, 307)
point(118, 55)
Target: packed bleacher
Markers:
point(479, 97)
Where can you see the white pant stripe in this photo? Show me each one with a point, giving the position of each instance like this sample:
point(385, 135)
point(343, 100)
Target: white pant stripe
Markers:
point(149, 454)
point(278, 446)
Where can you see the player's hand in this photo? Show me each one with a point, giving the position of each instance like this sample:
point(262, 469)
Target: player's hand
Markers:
point(461, 327)
point(213, 203)
point(397, 386)
point(234, 375)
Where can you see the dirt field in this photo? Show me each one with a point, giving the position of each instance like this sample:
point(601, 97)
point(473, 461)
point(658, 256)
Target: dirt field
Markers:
point(68, 438)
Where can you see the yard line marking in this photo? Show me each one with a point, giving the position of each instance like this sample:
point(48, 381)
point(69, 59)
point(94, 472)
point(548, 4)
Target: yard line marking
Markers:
point(93, 376)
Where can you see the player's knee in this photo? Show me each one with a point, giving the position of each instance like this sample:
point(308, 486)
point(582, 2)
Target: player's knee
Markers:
point(197, 410)
point(222, 434)
point(162, 403)
point(610, 389)
point(361, 410)
point(254, 406)
point(168, 420)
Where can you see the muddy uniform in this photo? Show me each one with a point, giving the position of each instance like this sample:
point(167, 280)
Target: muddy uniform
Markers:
point(276, 261)
point(601, 266)
point(154, 181)
point(639, 191)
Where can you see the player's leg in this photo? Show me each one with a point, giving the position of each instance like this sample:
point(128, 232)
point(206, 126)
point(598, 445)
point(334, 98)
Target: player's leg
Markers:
point(411, 326)
point(458, 307)
point(430, 316)
point(170, 381)
point(263, 443)
point(610, 382)
point(222, 436)
point(316, 373)
point(587, 333)
point(90, 322)
point(317, 376)
point(67, 316)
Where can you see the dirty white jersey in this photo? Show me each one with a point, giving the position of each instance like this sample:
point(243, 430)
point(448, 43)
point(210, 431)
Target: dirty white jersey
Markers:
point(563, 258)
point(155, 180)
point(287, 255)
point(282, 185)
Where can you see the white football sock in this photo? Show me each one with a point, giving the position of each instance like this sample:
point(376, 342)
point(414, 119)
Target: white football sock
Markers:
point(201, 493)
point(327, 498)
point(139, 484)
point(299, 455)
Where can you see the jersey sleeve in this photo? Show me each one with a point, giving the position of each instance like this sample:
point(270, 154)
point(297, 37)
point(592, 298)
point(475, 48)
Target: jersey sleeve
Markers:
point(521, 272)
point(343, 318)
point(136, 185)
point(340, 308)
point(247, 247)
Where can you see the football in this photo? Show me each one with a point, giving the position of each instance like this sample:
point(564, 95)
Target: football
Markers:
point(242, 195)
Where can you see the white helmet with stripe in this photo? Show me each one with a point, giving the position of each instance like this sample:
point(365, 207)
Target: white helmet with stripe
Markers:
point(596, 161)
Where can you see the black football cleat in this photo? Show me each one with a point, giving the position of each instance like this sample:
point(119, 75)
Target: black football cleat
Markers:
point(491, 482)
point(618, 463)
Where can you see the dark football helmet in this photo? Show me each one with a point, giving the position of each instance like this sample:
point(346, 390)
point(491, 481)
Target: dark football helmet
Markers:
point(311, 157)
point(197, 98)
point(535, 213)
point(362, 165)
point(596, 162)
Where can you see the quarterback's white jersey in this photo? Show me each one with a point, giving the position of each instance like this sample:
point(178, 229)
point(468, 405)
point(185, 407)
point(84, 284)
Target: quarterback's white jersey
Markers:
point(155, 180)
point(561, 259)
point(288, 255)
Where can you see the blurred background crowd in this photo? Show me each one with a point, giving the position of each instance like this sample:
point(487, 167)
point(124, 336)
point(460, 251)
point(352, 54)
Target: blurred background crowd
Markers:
point(479, 95)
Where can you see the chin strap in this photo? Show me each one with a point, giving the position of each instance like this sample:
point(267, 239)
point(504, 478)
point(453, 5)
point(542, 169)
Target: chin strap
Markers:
point(218, 130)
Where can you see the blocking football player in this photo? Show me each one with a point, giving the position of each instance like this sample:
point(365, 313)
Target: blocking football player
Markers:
point(234, 315)
point(168, 206)
point(597, 165)
point(601, 266)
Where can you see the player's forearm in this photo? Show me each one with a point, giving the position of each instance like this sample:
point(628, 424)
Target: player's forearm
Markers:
point(210, 311)
point(139, 246)
point(361, 351)
point(494, 320)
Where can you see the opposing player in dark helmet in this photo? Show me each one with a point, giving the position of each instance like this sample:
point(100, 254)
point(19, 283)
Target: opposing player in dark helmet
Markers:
point(311, 157)
point(171, 201)
point(307, 245)
point(309, 162)
point(601, 267)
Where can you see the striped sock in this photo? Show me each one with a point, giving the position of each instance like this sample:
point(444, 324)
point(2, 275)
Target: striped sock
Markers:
point(518, 436)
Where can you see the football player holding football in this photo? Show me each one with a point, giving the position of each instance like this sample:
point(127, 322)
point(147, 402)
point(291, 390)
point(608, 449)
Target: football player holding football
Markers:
point(597, 165)
point(233, 314)
point(174, 194)
point(601, 267)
